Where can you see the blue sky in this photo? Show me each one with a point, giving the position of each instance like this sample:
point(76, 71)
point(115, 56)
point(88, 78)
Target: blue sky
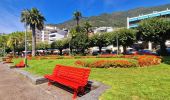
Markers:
point(57, 11)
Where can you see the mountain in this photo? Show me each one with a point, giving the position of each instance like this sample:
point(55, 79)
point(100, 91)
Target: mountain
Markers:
point(115, 19)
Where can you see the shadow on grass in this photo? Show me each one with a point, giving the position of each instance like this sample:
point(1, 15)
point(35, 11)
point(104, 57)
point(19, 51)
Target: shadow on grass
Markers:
point(166, 60)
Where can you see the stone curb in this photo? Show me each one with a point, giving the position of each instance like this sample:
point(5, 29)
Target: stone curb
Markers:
point(32, 78)
point(96, 93)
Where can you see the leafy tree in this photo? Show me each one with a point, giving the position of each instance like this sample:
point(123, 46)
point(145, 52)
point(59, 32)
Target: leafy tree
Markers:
point(79, 40)
point(43, 46)
point(60, 45)
point(16, 41)
point(87, 26)
point(126, 37)
point(155, 30)
point(35, 20)
point(3, 42)
point(77, 16)
point(100, 40)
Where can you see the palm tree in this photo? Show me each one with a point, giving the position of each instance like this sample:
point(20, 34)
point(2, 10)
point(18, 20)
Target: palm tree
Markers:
point(35, 20)
point(77, 16)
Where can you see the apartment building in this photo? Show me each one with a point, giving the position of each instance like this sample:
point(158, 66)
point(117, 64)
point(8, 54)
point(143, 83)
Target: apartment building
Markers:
point(57, 35)
point(134, 21)
point(103, 29)
point(50, 34)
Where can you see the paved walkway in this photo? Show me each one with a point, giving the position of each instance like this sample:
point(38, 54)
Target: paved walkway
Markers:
point(14, 87)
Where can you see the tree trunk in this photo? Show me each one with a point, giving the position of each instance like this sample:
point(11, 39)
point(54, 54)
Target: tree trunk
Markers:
point(82, 51)
point(60, 51)
point(118, 49)
point(163, 51)
point(14, 50)
point(100, 49)
point(124, 49)
point(33, 41)
point(77, 22)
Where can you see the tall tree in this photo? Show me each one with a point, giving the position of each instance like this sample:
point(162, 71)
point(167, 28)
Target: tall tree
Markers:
point(35, 20)
point(3, 42)
point(42, 46)
point(79, 39)
point(77, 16)
point(15, 40)
point(87, 26)
point(126, 37)
point(60, 45)
point(155, 30)
point(100, 40)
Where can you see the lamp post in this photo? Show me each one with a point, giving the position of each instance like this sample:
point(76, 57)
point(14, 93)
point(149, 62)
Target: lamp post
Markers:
point(4, 51)
point(4, 45)
point(117, 44)
point(69, 47)
point(26, 44)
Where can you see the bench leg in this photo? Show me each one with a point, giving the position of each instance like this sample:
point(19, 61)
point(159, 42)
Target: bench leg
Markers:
point(49, 83)
point(75, 94)
point(82, 90)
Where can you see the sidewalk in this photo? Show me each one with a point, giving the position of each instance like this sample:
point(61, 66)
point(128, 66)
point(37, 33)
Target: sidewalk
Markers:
point(14, 87)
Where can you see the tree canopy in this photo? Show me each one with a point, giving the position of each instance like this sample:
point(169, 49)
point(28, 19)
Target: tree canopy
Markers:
point(60, 45)
point(100, 40)
point(155, 30)
point(126, 37)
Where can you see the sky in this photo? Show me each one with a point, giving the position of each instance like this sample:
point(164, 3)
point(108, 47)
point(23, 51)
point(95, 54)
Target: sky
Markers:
point(58, 11)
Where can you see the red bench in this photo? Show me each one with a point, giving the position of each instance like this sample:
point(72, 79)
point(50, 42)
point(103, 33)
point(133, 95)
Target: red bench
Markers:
point(20, 65)
point(75, 78)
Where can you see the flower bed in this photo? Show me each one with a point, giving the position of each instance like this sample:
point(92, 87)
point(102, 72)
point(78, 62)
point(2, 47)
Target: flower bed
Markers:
point(148, 60)
point(107, 64)
point(141, 61)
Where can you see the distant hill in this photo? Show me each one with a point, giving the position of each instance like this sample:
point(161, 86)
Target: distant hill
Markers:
point(115, 19)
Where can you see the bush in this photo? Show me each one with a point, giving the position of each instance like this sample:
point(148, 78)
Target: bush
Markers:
point(148, 60)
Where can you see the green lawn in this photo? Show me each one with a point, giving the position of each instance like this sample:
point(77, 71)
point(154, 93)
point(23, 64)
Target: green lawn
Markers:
point(149, 83)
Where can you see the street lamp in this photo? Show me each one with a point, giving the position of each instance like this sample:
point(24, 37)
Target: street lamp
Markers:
point(117, 44)
point(26, 44)
point(69, 47)
point(4, 45)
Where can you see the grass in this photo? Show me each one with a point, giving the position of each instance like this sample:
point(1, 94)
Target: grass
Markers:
point(149, 83)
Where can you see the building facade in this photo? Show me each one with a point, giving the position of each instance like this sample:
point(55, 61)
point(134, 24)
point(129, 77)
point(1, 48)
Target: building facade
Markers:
point(57, 35)
point(50, 34)
point(102, 29)
point(134, 21)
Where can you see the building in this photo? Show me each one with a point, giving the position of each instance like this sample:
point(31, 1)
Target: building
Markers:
point(103, 30)
point(57, 35)
point(134, 21)
point(50, 34)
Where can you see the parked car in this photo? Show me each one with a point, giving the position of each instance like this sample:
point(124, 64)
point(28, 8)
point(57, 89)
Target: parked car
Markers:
point(146, 52)
point(95, 52)
point(159, 51)
point(131, 52)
